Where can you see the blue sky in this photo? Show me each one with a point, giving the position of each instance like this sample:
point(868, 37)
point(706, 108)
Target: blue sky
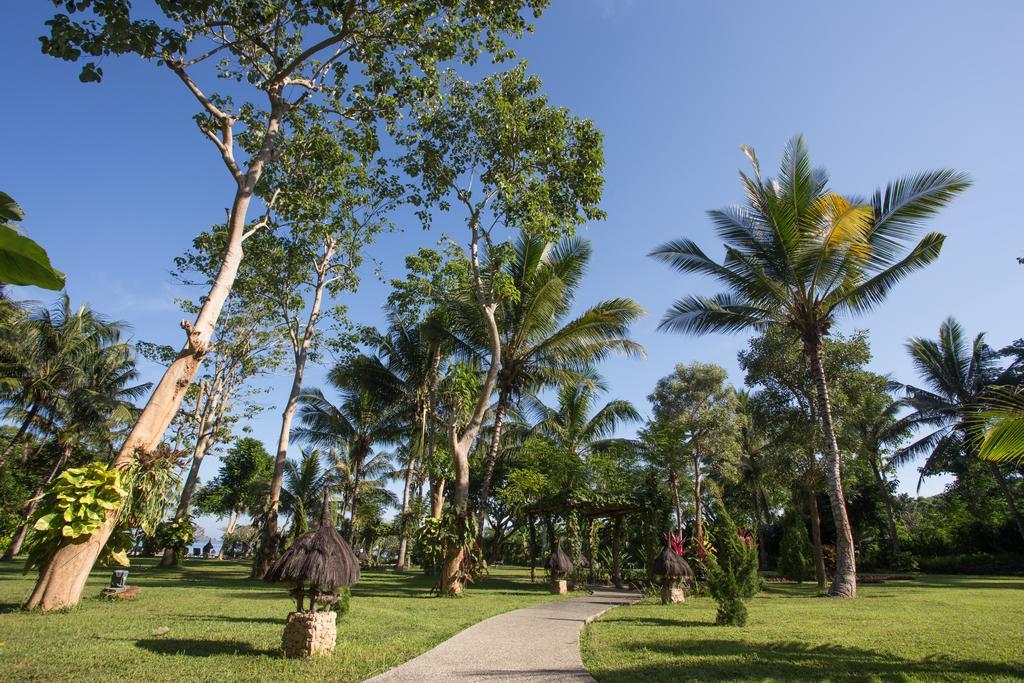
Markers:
point(116, 180)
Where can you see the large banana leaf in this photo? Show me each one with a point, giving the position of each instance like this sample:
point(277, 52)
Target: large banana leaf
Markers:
point(22, 261)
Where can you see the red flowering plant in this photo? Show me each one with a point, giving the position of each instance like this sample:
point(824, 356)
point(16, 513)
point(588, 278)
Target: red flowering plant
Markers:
point(677, 541)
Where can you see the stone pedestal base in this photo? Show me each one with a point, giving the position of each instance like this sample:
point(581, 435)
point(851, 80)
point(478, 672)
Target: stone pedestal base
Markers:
point(670, 594)
point(559, 586)
point(309, 633)
point(126, 593)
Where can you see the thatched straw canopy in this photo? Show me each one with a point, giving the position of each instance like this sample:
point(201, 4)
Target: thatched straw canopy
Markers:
point(669, 563)
point(558, 562)
point(321, 558)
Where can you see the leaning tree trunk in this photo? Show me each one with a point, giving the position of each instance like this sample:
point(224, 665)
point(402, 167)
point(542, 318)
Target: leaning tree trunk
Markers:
point(62, 580)
point(816, 545)
point(883, 488)
point(492, 459)
point(170, 556)
point(203, 443)
point(19, 538)
point(1004, 486)
point(844, 583)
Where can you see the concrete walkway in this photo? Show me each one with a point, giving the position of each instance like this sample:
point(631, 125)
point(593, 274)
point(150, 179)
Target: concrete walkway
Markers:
point(540, 643)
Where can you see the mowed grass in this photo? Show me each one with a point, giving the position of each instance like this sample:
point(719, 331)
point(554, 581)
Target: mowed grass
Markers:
point(224, 627)
point(935, 628)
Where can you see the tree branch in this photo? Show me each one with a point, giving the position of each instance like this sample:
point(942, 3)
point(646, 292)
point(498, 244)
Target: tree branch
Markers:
point(262, 222)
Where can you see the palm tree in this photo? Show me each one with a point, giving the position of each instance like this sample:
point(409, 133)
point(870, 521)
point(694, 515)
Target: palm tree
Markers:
point(541, 346)
point(365, 487)
point(44, 358)
point(797, 256)
point(574, 426)
point(878, 430)
point(958, 378)
point(353, 426)
point(303, 490)
point(403, 371)
point(88, 410)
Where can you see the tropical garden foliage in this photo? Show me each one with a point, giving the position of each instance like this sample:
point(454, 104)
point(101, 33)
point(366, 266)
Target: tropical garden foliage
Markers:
point(474, 427)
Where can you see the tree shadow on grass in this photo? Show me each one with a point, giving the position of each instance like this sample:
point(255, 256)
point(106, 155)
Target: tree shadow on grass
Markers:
point(233, 620)
point(720, 660)
point(201, 648)
point(281, 594)
point(656, 621)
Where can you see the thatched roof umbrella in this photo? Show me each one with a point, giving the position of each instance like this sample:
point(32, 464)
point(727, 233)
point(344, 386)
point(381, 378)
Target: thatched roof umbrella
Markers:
point(671, 565)
point(321, 558)
point(558, 562)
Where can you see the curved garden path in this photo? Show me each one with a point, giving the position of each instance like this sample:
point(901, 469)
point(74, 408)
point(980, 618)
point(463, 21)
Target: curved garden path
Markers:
point(539, 643)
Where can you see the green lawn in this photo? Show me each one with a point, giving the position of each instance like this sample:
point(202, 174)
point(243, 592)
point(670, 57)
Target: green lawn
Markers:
point(225, 627)
point(935, 628)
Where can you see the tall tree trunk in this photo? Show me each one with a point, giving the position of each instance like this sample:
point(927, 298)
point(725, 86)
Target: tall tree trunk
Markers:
point(216, 402)
point(673, 480)
point(698, 524)
point(1004, 486)
point(406, 493)
point(819, 555)
point(230, 530)
point(844, 583)
point(762, 552)
point(301, 340)
point(61, 582)
point(266, 552)
point(461, 443)
point(356, 480)
point(532, 526)
point(19, 538)
point(25, 424)
point(436, 496)
point(883, 488)
point(492, 459)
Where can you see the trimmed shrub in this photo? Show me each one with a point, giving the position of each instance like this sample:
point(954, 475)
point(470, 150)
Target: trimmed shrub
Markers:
point(732, 573)
point(796, 558)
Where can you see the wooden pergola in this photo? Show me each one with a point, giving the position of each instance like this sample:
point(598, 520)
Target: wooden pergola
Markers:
point(591, 510)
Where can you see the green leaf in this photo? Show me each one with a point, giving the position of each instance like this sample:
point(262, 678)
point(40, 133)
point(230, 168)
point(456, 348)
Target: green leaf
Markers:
point(9, 209)
point(23, 262)
point(45, 522)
